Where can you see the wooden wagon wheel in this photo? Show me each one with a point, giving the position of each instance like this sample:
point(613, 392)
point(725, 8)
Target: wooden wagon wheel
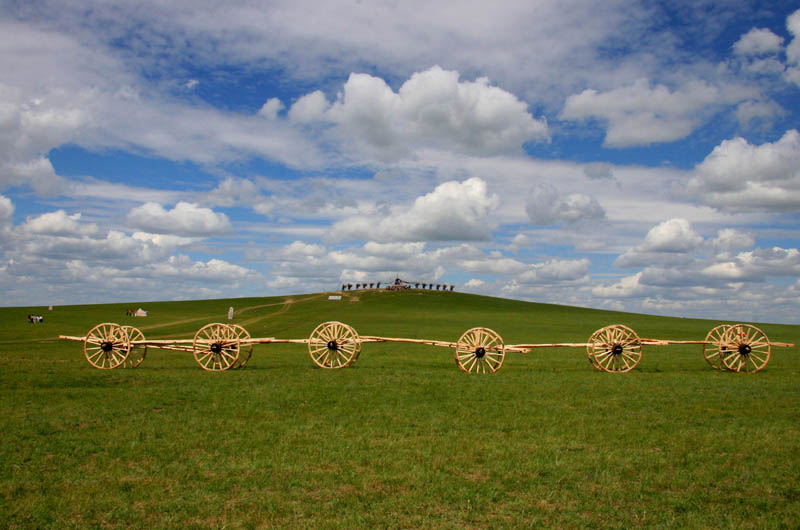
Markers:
point(106, 346)
point(138, 352)
point(216, 347)
point(590, 354)
point(246, 350)
point(333, 345)
point(480, 350)
point(717, 346)
point(358, 353)
point(615, 348)
point(749, 349)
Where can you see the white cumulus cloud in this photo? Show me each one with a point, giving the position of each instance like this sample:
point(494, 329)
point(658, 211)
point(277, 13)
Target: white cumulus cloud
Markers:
point(185, 219)
point(496, 265)
point(793, 49)
point(453, 211)
point(309, 108)
point(399, 251)
point(36, 173)
point(271, 108)
point(749, 111)
point(673, 235)
point(545, 206)
point(641, 114)
point(433, 108)
point(298, 250)
point(6, 212)
point(59, 223)
point(758, 41)
point(670, 242)
point(627, 287)
point(738, 175)
point(729, 239)
point(212, 270)
point(757, 265)
point(556, 271)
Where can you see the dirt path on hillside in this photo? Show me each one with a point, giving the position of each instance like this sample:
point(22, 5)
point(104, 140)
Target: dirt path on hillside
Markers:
point(285, 305)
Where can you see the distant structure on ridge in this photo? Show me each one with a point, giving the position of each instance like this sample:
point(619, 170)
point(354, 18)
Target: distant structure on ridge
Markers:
point(398, 285)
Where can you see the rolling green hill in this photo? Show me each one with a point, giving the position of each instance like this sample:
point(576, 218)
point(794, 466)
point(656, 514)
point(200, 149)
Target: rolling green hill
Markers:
point(411, 314)
point(400, 439)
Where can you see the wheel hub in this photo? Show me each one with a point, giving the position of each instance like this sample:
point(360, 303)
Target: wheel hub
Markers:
point(216, 348)
point(616, 349)
point(480, 352)
point(332, 345)
point(107, 346)
point(744, 349)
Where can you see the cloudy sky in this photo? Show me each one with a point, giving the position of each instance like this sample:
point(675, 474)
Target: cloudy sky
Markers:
point(642, 156)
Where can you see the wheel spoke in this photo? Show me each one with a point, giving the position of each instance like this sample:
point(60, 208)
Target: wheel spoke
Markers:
point(629, 362)
point(761, 360)
point(602, 354)
point(471, 364)
point(629, 357)
point(751, 361)
point(609, 363)
point(730, 356)
point(605, 362)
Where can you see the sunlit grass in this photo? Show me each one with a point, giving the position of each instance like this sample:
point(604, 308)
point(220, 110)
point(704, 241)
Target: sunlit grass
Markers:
point(401, 439)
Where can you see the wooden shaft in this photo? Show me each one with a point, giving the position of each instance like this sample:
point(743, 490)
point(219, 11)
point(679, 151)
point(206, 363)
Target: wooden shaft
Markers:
point(440, 343)
point(521, 348)
point(553, 345)
point(187, 349)
point(273, 340)
point(430, 342)
point(660, 342)
point(156, 343)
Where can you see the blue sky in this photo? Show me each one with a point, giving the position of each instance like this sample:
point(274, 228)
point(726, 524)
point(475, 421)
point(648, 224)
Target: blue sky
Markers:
point(640, 156)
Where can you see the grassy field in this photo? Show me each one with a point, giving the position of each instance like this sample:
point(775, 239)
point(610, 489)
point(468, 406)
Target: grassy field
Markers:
point(402, 439)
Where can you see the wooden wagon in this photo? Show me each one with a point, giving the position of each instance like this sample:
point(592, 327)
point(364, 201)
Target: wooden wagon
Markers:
point(333, 345)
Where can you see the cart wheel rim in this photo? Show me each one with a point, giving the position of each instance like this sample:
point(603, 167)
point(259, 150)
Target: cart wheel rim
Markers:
point(616, 349)
point(246, 349)
point(138, 352)
point(333, 345)
point(480, 351)
point(748, 349)
point(106, 346)
point(216, 347)
point(717, 346)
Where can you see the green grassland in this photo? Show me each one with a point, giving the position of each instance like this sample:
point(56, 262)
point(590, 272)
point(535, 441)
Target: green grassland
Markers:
point(402, 439)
